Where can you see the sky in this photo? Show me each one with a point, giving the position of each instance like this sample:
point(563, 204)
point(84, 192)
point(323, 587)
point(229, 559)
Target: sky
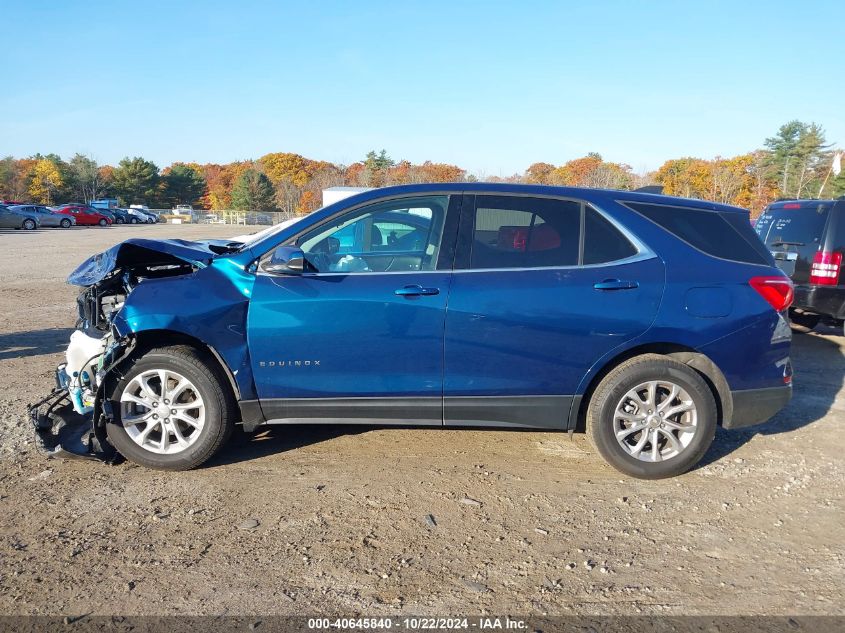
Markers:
point(490, 86)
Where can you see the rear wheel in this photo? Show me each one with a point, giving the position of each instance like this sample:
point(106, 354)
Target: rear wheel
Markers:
point(172, 410)
point(652, 417)
point(803, 321)
point(29, 224)
point(65, 223)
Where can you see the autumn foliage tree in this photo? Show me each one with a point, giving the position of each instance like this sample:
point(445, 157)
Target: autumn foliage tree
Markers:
point(46, 181)
point(794, 162)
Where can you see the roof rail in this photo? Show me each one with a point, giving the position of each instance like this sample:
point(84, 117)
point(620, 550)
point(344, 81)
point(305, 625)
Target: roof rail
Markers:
point(650, 189)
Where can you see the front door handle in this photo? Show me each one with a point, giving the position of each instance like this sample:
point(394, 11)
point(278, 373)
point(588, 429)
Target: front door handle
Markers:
point(416, 291)
point(615, 284)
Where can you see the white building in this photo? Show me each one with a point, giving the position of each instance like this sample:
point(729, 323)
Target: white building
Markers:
point(336, 194)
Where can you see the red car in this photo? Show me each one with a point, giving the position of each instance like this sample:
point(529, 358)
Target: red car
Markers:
point(85, 215)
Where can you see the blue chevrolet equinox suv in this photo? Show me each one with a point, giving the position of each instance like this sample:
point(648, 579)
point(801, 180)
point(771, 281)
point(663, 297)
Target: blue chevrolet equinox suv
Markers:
point(646, 320)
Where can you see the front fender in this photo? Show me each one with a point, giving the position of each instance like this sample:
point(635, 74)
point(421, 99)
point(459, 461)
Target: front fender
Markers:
point(209, 305)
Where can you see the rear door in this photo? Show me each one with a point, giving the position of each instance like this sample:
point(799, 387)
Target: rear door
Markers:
point(543, 288)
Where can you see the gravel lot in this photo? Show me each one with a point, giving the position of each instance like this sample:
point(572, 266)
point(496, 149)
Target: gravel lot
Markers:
point(386, 521)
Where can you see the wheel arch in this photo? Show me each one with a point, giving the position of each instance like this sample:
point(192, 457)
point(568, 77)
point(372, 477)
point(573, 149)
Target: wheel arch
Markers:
point(701, 363)
point(149, 339)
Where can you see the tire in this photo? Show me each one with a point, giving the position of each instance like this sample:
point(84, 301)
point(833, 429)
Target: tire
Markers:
point(65, 224)
point(133, 220)
point(143, 442)
point(29, 224)
point(611, 398)
point(803, 321)
point(118, 220)
point(103, 222)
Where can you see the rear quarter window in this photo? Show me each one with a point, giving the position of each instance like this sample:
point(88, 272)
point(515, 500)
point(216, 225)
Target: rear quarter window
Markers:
point(707, 231)
point(603, 243)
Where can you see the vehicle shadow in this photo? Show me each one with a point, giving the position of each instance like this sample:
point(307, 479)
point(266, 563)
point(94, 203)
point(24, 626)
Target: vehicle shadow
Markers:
point(33, 343)
point(275, 439)
point(819, 367)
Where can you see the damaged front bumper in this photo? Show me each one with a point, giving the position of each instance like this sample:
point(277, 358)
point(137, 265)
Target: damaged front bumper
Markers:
point(71, 420)
point(62, 432)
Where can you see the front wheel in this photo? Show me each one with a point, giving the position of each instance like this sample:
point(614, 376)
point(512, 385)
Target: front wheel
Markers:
point(133, 221)
point(29, 224)
point(652, 417)
point(65, 223)
point(172, 410)
point(103, 222)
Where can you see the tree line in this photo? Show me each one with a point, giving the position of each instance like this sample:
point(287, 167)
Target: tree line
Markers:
point(794, 163)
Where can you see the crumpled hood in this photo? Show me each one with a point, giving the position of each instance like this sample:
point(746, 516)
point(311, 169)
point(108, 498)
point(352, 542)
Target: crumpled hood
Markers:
point(143, 252)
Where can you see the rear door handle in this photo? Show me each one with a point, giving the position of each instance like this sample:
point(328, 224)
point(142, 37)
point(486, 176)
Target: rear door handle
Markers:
point(416, 291)
point(616, 284)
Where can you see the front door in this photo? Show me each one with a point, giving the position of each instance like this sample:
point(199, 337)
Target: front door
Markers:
point(542, 289)
point(358, 337)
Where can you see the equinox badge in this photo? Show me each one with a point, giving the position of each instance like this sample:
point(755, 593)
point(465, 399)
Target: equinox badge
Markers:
point(289, 363)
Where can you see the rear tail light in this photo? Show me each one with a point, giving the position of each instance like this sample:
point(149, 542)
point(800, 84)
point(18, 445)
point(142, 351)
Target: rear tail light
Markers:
point(778, 291)
point(825, 268)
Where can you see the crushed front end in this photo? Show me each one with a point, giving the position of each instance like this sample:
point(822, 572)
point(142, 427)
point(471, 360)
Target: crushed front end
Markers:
point(71, 420)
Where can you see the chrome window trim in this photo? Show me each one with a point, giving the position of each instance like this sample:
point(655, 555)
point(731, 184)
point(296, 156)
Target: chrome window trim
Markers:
point(639, 257)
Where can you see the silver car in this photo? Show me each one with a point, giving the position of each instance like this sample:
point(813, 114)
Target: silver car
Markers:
point(46, 215)
point(14, 220)
point(136, 216)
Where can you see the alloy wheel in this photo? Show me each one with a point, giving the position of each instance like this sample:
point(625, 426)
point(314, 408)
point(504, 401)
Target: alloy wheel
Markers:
point(655, 421)
point(162, 411)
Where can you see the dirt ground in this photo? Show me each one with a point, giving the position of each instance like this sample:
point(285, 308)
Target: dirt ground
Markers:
point(306, 520)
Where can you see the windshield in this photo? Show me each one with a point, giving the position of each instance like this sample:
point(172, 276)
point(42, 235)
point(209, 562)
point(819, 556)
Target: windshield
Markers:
point(791, 227)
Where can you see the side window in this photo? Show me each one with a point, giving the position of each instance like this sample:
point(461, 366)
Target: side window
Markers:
point(705, 230)
point(603, 243)
point(524, 232)
point(392, 236)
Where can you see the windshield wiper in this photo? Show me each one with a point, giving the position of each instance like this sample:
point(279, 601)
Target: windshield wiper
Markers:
point(785, 243)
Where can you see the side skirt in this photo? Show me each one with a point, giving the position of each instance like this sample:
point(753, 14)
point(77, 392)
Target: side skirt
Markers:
point(534, 412)
point(537, 412)
point(368, 410)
